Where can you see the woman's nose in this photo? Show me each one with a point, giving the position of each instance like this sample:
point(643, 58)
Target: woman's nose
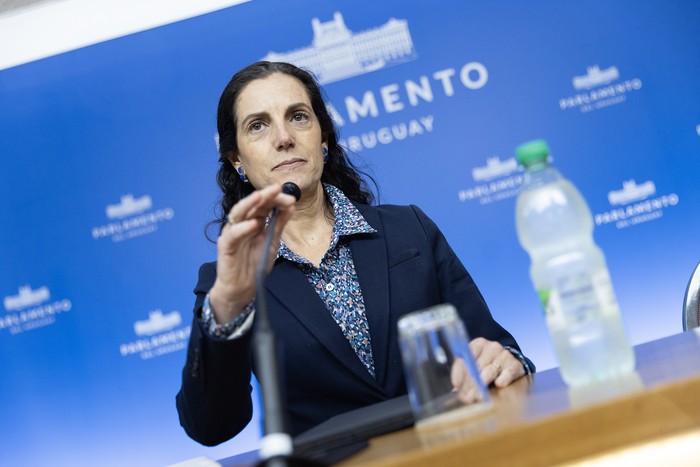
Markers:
point(283, 137)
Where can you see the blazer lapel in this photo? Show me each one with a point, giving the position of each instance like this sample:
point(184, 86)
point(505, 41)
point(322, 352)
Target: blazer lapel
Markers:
point(370, 257)
point(291, 287)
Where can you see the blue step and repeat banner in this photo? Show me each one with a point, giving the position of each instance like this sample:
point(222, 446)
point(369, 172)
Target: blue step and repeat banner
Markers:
point(109, 155)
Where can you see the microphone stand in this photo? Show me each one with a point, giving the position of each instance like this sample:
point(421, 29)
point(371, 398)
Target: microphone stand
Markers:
point(276, 446)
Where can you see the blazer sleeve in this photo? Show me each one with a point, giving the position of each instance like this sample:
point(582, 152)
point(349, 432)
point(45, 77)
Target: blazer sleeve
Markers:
point(458, 288)
point(214, 401)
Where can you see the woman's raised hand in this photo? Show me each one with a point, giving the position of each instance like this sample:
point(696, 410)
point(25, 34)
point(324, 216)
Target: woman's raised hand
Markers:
point(239, 249)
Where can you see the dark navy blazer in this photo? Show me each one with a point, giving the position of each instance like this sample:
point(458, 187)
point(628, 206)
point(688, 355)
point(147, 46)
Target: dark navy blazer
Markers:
point(405, 266)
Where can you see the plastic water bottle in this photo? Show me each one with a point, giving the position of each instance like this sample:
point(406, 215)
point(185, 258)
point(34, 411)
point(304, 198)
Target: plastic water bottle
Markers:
point(569, 272)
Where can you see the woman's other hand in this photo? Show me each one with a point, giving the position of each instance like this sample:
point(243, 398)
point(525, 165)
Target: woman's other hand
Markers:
point(497, 365)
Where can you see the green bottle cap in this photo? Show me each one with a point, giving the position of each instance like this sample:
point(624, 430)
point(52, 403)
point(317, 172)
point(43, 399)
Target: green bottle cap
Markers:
point(532, 152)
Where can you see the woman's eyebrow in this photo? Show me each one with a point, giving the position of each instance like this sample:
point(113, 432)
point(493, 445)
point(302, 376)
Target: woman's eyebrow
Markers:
point(253, 116)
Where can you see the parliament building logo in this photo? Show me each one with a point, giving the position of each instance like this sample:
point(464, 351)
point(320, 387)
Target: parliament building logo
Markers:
point(31, 309)
point(131, 217)
point(496, 180)
point(635, 204)
point(157, 322)
point(336, 53)
point(129, 206)
point(158, 335)
point(632, 192)
point(595, 77)
point(26, 298)
point(494, 168)
point(599, 88)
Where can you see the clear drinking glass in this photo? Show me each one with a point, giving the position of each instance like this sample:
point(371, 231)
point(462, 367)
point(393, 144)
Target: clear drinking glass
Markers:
point(440, 371)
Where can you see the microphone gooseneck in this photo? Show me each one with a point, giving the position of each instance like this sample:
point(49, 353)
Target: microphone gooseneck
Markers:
point(276, 445)
point(288, 188)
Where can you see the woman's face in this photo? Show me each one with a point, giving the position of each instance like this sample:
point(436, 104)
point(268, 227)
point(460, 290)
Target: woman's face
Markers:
point(278, 135)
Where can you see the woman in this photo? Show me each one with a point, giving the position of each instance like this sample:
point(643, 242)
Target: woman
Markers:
point(341, 271)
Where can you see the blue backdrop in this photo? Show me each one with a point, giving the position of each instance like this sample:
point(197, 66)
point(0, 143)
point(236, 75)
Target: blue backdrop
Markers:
point(109, 155)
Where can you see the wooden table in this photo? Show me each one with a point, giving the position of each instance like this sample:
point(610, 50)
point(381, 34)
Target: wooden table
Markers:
point(538, 421)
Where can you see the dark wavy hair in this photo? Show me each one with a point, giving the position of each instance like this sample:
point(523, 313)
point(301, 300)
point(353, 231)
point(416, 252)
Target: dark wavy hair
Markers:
point(339, 171)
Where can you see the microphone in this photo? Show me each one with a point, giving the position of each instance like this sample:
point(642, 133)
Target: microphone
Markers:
point(293, 189)
point(276, 445)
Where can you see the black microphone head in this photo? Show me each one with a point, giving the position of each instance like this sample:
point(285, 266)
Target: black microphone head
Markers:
point(293, 189)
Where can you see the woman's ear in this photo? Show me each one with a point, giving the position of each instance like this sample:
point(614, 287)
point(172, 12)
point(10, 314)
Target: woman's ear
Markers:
point(234, 161)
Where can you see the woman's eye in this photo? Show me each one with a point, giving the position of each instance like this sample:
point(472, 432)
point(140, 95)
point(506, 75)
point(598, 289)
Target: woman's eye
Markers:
point(255, 126)
point(300, 117)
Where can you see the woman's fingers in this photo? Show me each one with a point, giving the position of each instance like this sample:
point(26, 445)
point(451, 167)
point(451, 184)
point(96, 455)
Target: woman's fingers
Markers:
point(512, 370)
point(485, 351)
point(464, 385)
point(259, 204)
point(243, 238)
point(495, 363)
point(458, 373)
point(248, 217)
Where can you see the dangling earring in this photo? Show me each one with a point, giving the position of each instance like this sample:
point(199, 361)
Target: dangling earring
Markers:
point(242, 175)
point(325, 154)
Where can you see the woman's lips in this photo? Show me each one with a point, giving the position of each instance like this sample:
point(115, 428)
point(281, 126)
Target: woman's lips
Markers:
point(289, 164)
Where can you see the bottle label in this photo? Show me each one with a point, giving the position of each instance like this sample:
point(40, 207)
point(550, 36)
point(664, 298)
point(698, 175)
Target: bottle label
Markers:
point(578, 298)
